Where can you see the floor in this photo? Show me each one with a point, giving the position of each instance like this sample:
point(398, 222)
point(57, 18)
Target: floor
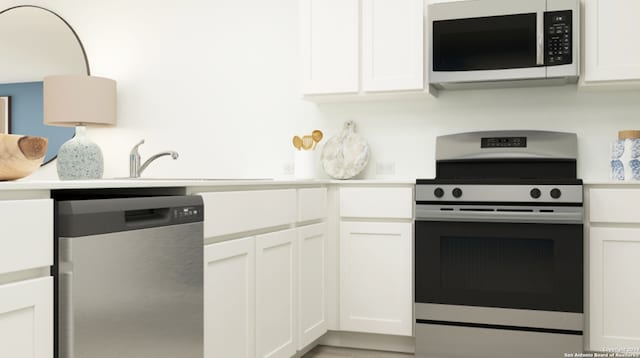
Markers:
point(331, 352)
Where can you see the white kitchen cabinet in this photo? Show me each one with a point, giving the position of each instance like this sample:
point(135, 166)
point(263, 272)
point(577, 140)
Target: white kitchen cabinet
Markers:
point(24, 245)
point(376, 277)
point(614, 253)
point(614, 205)
point(611, 53)
point(329, 38)
point(614, 288)
point(312, 283)
point(232, 212)
point(312, 204)
point(26, 251)
point(362, 49)
point(276, 264)
point(252, 289)
point(253, 285)
point(229, 293)
point(392, 45)
point(376, 202)
point(26, 319)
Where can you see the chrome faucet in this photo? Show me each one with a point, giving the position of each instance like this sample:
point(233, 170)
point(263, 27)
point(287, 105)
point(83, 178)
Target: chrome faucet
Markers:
point(135, 169)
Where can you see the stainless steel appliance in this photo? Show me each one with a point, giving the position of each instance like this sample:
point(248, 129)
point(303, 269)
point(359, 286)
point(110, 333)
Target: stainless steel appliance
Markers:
point(130, 278)
point(492, 41)
point(499, 247)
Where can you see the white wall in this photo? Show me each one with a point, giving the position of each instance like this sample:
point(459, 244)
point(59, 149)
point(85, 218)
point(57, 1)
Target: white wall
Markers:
point(216, 80)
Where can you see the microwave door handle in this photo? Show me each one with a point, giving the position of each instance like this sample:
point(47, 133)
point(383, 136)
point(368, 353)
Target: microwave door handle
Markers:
point(540, 39)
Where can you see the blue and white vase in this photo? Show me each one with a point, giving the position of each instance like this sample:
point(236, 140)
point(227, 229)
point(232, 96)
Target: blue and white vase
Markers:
point(632, 166)
point(617, 166)
point(625, 159)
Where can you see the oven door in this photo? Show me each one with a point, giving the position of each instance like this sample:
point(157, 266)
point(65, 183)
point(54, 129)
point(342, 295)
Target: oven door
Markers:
point(526, 265)
point(487, 40)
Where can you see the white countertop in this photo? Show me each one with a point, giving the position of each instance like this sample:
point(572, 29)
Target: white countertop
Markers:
point(156, 183)
point(610, 182)
point(25, 184)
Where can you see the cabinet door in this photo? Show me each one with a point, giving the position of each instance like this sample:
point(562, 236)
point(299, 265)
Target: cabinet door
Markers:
point(26, 319)
point(614, 288)
point(275, 294)
point(611, 53)
point(312, 283)
point(376, 277)
point(229, 294)
point(392, 45)
point(329, 31)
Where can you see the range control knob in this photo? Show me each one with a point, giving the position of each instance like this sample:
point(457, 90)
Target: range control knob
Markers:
point(556, 193)
point(457, 192)
point(535, 193)
point(439, 192)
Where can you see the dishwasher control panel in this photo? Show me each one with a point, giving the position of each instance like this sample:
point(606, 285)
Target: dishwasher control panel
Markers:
point(187, 214)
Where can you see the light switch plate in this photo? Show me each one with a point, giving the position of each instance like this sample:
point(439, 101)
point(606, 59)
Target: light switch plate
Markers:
point(385, 168)
point(287, 168)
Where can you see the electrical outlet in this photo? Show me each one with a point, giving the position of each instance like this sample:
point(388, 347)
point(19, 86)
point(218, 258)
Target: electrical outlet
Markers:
point(385, 168)
point(287, 168)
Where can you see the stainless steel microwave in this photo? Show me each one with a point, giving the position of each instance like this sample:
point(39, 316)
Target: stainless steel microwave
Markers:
point(498, 41)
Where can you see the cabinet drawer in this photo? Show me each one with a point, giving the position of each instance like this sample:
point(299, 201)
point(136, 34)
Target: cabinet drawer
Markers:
point(26, 241)
point(614, 205)
point(392, 203)
point(312, 204)
point(240, 211)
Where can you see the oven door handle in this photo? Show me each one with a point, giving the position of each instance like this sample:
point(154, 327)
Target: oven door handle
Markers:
point(565, 217)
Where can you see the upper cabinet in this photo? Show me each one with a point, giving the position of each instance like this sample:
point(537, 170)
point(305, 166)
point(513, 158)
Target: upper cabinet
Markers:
point(392, 45)
point(360, 47)
point(329, 31)
point(611, 55)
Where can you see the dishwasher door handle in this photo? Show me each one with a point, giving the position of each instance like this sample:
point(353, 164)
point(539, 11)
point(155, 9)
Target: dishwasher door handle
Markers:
point(147, 216)
point(65, 316)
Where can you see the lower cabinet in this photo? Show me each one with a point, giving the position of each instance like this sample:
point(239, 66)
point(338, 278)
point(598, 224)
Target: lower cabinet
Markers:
point(312, 283)
point(614, 288)
point(229, 293)
point(376, 294)
point(265, 296)
point(26, 319)
point(275, 294)
point(614, 253)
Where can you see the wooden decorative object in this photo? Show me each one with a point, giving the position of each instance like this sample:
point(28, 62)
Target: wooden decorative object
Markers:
point(5, 115)
point(629, 134)
point(20, 155)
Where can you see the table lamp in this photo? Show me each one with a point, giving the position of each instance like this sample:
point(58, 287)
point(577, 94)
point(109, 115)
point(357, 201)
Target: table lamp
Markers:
point(79, 101)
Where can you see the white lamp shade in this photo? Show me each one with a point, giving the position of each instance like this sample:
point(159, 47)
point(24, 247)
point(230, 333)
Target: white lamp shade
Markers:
point(71, 100)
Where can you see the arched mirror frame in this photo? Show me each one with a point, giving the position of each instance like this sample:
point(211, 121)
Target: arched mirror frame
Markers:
point(73, 31)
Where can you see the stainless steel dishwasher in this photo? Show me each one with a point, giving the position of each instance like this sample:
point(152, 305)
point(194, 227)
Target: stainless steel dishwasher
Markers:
point(130, 278)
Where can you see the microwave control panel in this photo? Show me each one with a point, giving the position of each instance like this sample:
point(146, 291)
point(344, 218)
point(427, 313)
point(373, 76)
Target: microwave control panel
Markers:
point(558, 46)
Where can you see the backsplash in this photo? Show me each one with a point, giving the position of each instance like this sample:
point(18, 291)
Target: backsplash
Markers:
point(220, 86)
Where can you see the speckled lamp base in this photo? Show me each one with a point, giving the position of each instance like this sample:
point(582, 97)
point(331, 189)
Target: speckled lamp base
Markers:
point(80, 158)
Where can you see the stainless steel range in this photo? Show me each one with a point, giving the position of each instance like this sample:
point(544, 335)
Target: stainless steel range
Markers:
point(499, 247)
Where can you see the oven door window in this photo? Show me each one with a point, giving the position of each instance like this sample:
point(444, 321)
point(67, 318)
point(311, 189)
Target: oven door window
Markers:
point(524, 266)
point(485, 43)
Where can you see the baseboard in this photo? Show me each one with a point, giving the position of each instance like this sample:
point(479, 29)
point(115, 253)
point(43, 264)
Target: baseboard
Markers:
point(308, 348)
point(379, 342)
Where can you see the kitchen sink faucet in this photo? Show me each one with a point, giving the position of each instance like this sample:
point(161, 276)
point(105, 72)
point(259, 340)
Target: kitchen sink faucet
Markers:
point(135, 169)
